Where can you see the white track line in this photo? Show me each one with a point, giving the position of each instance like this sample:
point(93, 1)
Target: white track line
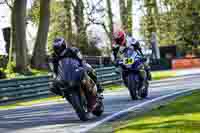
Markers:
point(175, 78)
point(133, 108)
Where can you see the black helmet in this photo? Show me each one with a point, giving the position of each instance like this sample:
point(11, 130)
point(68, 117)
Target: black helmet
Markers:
point(59, 45)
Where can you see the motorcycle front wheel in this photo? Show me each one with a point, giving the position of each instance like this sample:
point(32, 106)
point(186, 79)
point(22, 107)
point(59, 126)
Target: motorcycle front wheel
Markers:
point(132, 86)
point(79, 104)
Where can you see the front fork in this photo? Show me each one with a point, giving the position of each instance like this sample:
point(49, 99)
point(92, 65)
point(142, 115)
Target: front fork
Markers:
point(140, 77)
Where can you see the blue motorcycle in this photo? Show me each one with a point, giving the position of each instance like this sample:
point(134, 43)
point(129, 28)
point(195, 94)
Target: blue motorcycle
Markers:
point(77, 89)
point(134, 74)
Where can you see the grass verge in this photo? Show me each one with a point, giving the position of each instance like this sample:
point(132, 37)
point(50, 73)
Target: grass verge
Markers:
point(115, 87)
point(179, 116)
point(162, 75)
point(32, 102)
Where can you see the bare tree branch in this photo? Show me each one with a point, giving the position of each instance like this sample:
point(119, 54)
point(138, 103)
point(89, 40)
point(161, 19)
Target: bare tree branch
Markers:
point(90, 11)
point(73, 4)
point(106, 30)
point(92, 20)
point(94, 7)
point(8, 4)
point(88, 4)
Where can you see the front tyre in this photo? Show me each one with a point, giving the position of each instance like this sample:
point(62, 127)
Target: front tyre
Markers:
point(79, 104)
point(145, 89)
point(132, 86)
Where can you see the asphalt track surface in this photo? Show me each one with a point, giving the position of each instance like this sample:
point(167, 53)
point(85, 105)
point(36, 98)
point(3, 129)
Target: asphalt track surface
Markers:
point(60, 117)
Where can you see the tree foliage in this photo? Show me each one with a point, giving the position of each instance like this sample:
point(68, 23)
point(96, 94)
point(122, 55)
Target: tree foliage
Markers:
point(34, 12)
point(68, 20)
point(175, 22)
point(110, 18)
point(126, 14)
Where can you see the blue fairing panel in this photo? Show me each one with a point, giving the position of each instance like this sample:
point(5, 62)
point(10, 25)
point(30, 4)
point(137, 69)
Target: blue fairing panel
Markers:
point(69, 70)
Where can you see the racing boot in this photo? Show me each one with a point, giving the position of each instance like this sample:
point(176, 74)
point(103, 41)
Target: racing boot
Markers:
point(55, 88)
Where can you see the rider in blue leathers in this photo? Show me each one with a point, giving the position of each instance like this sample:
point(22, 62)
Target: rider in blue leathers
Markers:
point(62, 50)
point(120, 42)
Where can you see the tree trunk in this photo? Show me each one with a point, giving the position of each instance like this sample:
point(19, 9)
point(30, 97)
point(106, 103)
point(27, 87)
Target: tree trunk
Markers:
point(12, 39)
point(110, 17)
point(123, 13)
point(68, 24)
point(81, 39)
point(79, 15)
point(126, 14)
point(19, 35)
point(152, 12)
point(39, 54)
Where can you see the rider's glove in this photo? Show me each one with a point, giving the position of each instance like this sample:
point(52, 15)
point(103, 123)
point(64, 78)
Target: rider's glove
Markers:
point(116, 64)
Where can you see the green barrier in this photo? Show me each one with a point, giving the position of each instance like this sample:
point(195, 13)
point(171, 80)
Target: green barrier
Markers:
point(34, 87)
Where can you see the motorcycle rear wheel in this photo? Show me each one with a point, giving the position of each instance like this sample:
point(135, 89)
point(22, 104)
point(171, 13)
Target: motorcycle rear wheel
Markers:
point(99, 109)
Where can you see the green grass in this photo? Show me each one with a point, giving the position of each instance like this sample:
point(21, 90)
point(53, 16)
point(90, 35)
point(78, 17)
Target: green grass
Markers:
point(36, 72)
point(179, 116)
point(114, 87)
point(32, 102)
point(33, 72)
point(162, 74)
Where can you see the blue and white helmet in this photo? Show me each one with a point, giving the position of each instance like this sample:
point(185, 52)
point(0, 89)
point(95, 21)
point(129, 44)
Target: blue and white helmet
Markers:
point(131, 41)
